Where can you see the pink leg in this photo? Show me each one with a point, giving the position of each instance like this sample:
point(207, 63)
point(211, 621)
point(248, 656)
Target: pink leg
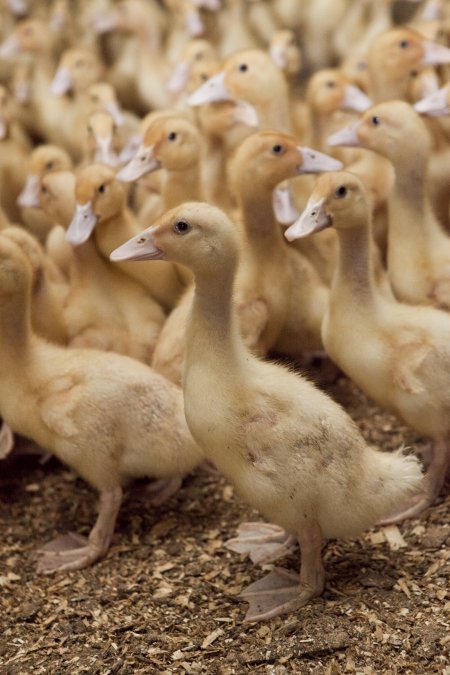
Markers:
point(72, 551)
point(164, 488)
point(281, 592)
point(433, 481)
point(6, 440)
point(263, 542)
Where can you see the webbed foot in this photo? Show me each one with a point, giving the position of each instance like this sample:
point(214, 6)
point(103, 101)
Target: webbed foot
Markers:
point(161, 490)
point(264, 542)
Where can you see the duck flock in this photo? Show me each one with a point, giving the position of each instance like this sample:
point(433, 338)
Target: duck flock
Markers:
point(163, 233)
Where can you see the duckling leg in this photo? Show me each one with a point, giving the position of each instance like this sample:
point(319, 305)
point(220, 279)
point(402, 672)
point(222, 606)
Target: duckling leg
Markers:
point(73, 551)
point(263, 542)
point(6, 440)
point(164, 488)
point(281, 591)
point(433, 483)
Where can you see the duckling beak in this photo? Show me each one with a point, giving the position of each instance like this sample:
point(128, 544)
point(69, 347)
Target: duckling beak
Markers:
point(140, 247)
point(131, 148)
point(82, 224)
point(435, 53)
point(315, 161)
point(435, 104)
point(113, 109)
point(211, 91)
point(179, 78)
point(348, 136)
point(29, 197)
point(105, 23)
point(143, 162)
point(194, 23)
point(10, 47)
point(278, 56)
point(104, 152)
point(61, 83)
point(355, 99)
point(283, 205)
point(245, 113)
point(313, 219)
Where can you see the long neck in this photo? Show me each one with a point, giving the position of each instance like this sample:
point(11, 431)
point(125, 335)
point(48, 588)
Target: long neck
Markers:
point(181, 186)
point(354, 280)
point(15, 332)
point(262, 233)
point(114, 231)
point(274, 113)
point(213, 340)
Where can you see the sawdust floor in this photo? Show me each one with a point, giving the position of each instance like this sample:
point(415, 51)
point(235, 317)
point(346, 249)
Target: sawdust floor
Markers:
point(165, 599)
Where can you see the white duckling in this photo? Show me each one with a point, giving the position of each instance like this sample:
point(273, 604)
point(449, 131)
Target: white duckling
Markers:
point(398, 354)
point(292, 452)
point(109, 417)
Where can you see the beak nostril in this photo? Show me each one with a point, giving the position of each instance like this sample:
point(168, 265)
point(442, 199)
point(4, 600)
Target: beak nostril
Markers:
point(313, 213)
point(141, 240)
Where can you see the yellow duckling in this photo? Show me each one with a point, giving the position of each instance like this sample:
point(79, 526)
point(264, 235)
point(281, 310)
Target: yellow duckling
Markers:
point(291, 452)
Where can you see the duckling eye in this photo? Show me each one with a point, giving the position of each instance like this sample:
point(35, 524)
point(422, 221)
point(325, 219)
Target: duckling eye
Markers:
point(102, 188)
point(330, 84)
point(204, 77)
point(172, 136)
point(243, 67)
point(277, 149)
point(404, 44)
point(94, 98)
point(44, 190)
point(181, 227)
point(340, 192)
point(198, 56)
point(375, 120)
point(49, 165)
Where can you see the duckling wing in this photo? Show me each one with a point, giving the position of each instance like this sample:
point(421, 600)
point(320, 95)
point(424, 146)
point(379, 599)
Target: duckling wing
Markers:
point(408, 359)
point(58, 405)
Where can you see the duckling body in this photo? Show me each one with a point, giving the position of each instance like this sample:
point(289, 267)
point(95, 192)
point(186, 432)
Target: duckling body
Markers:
point(398, 354)
point(95, 411)
point(270, 431)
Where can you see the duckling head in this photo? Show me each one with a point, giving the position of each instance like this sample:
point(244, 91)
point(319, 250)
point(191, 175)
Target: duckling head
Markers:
point(338, 200)
point(57, 197)
point(101, 138)
point(101, 96)
point(99, 197)
point(31, 249)
point(330, 90)
point(77, 69)
point(387, 128)
point(171, 143)
point(194, 234)
point(249, 75)
point(29, 36)
point(267, 158)
point(196, 52)
point(44, 160)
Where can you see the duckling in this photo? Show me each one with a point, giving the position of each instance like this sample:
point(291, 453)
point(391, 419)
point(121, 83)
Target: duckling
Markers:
point(393, 55)
point(195, 52)
point(290, 451)
point(101, 210)
point(44, 159)
point(109, 417)
point(398, 354)
point(250, 75)
point(104, 308)
point(418, 257)
point(77, 69)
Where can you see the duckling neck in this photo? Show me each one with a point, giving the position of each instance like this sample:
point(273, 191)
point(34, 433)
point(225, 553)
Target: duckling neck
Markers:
point(214, 344)
point(354, 276)
point(15, 332)
point(258, 218)
point(114, 231)
point(181, 186)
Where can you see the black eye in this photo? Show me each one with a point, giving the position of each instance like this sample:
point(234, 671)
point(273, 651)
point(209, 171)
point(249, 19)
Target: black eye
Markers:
point(181, 227)
point(414, 73)
point(340, 192)
point(277, 149)
point(204, 78)
point(172, 136)
point(101, 188)
point(330, 84)
point(49, 165)
point(375, 120)
point(243, 67)
point(404, 44)
point(44, 190)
